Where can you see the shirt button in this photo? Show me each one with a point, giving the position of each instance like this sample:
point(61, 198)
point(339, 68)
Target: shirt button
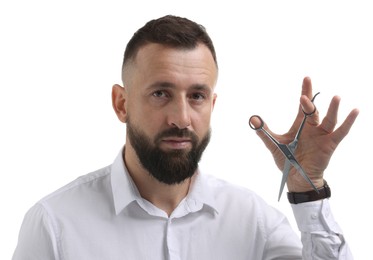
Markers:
point(314, 215)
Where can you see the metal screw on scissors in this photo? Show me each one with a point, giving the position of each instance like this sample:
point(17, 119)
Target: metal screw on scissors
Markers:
point(288, 150)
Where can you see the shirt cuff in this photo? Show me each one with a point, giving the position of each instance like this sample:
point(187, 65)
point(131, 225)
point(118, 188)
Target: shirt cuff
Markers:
point(315, 216)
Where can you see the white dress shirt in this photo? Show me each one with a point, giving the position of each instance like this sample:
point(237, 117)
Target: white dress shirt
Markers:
point(102, 216)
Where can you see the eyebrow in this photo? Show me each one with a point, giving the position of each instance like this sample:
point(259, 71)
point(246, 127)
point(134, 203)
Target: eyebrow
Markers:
point(169, 85)
point(161, 84)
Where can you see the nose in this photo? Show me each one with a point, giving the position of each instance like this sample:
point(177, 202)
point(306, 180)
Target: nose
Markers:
point(179, 114)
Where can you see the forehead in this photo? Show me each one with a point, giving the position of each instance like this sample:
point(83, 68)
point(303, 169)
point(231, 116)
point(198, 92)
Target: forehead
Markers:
point(156, 60)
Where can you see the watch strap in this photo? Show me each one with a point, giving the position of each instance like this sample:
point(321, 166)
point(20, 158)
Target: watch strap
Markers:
point(308, 196)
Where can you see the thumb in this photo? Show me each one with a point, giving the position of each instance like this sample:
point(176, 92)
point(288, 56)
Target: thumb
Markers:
point(262, 130)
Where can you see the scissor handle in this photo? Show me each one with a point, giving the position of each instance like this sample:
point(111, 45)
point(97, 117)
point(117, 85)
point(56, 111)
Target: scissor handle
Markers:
point(314, 110)
point(261, 123)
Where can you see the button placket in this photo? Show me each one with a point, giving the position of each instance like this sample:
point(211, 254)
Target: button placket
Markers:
point(172, 242)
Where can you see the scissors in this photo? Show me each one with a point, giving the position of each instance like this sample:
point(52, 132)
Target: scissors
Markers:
point(288, 150)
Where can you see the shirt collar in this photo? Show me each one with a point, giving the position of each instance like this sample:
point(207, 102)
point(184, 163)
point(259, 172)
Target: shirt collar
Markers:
point(125, 191)
point(123, 188)
point(201, 192)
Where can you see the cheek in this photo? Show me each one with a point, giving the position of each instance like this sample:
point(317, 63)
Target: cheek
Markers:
point(201, 123)
point(147, 121)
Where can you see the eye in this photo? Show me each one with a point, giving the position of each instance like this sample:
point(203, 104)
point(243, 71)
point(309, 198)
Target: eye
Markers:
point(198, 96)
point(160, 94)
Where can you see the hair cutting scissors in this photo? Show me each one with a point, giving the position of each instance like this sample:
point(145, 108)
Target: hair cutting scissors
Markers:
point(288, 150)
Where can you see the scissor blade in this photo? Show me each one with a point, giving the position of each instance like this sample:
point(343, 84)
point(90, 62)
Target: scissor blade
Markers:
point(291, 158)
point(285, 171)
point(301, 171)
point(285, 174)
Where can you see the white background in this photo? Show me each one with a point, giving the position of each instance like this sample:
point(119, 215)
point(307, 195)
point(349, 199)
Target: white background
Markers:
point(59, 59)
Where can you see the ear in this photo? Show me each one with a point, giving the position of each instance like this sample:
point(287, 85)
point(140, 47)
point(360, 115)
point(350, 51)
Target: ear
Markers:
point(214, 100)
point(119, 98)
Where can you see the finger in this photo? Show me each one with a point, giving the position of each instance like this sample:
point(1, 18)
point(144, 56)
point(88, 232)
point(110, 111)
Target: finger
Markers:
point(307, 92)
point(307, 87)
point(343, 130)
point(330, 120)
point(294, 127)
point(308, 106)
point(257, 123)
point(309, 109)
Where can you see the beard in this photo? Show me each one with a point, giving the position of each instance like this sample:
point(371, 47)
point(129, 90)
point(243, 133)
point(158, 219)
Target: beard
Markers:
point(169, 167)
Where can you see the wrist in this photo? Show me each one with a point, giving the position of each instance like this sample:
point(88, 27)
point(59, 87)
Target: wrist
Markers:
point(300, 185)
point(311, 195)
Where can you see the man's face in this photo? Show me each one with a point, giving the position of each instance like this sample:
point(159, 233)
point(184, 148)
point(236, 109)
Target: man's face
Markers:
point(169, 100)
point(169, 167)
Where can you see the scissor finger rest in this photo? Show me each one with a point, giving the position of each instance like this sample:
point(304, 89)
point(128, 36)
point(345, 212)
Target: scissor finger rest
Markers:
point(314, 110)
point(253, 126)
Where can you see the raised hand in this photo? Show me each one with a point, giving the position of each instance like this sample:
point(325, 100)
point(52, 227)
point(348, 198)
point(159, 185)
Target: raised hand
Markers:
point(317, 141)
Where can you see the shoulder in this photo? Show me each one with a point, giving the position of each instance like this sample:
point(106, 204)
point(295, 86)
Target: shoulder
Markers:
point(84, 186)
point(237, 198)
point(222, 188)
point(241, 206)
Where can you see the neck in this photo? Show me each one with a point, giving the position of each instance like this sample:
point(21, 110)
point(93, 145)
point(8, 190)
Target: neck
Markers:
point(164, 196)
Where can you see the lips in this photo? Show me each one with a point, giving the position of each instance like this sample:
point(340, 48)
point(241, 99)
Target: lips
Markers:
point(176, 139)
point(176, 142)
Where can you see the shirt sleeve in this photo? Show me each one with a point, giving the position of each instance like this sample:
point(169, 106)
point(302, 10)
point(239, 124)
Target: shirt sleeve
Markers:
point(321, 236)
point(36, 239)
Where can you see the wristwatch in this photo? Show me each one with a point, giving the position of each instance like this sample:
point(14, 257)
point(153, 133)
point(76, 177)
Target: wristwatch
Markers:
point(301, 197)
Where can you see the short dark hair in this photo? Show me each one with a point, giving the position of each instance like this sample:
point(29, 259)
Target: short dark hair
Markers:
point(172, 31)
